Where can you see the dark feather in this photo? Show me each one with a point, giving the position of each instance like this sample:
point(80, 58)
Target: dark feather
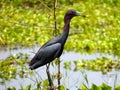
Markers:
point(43, 56)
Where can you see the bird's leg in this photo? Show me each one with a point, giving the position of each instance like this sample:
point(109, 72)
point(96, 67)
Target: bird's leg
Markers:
point(49, 77)
point(58, 74)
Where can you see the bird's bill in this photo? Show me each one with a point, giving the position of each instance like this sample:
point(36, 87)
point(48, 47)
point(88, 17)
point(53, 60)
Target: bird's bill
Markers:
point(80, 13)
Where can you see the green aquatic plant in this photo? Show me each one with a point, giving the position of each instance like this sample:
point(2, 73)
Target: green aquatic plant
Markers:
point(23, 22)
point(103, 86)
point(103, 65)
point(100, 64)
point(12, 66)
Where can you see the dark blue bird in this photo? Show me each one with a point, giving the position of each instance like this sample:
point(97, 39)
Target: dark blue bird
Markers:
point(53, 48)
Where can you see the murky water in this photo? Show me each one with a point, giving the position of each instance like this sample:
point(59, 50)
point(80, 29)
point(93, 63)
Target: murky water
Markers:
point(70, 79)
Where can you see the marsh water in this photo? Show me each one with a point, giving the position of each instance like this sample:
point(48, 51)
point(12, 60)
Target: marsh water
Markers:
point(70, 79)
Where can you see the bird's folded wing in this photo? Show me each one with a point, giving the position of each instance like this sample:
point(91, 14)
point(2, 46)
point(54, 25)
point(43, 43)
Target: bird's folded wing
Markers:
point(45, 55)
point(52, 41)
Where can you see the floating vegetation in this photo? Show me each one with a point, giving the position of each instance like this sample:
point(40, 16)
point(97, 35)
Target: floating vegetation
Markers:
point(103, 86)
point(12, 66)
point(103, 65)
point(98, 31)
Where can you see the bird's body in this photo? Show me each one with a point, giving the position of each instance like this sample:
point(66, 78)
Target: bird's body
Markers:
point(53, 48)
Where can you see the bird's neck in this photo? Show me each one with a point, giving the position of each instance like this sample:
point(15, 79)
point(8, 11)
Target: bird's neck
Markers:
point(66, 25)
point(65, 31)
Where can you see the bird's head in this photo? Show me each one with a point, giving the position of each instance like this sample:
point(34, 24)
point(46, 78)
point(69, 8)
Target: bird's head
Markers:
point(70, 14)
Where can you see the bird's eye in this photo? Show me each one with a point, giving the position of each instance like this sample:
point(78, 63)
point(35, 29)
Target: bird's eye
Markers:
point(72, 12)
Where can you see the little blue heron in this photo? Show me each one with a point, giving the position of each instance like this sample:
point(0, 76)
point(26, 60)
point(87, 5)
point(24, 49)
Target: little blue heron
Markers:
point(53, 48)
